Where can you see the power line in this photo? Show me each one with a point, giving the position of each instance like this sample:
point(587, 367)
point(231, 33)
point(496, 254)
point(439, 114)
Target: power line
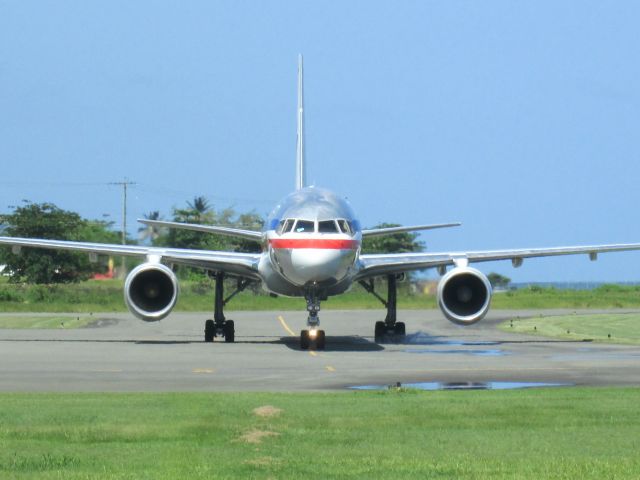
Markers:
point(51, 184)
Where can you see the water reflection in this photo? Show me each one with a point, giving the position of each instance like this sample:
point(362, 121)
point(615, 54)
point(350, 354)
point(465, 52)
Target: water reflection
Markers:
point(461, 386)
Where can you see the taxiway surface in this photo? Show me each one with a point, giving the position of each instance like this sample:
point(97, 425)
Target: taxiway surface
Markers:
point(120, 353)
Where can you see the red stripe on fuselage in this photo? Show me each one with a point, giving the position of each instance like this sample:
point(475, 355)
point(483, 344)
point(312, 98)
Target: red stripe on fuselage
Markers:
point(319, 243)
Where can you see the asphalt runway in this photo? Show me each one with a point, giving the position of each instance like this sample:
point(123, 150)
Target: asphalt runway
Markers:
point(120, 353)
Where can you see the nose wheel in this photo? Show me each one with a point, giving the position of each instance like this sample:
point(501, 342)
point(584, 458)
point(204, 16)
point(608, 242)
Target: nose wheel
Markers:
point(309, 338)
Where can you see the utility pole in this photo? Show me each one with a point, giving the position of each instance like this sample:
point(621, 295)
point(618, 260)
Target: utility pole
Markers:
point(124, 184)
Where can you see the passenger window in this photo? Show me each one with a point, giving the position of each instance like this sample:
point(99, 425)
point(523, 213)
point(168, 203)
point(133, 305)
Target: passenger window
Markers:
point(344, 226)
point(327, 226)
point(305, 226)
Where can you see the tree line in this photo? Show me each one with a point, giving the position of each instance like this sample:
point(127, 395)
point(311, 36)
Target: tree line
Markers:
point(46, 220)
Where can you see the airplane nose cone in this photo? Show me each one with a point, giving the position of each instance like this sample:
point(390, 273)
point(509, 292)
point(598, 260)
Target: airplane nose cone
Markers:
point(303, 266)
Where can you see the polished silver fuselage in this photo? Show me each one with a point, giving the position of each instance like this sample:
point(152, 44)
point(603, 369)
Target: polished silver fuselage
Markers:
point(311, 241)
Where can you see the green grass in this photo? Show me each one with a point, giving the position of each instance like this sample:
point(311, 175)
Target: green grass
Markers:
point(612, 328)
point(548, 433)
point(26, 321)
point(606, 296)
point(107, 296)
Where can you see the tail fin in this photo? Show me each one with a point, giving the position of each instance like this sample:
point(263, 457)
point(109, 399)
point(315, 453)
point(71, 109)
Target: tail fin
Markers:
point(300, 171)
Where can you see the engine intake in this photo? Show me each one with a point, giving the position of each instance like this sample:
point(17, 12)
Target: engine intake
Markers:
point(151, 291)
point(464, 295)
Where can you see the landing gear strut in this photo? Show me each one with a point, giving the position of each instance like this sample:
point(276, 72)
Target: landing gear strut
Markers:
point(389, 326)
point(313, 335)
point(220, 326)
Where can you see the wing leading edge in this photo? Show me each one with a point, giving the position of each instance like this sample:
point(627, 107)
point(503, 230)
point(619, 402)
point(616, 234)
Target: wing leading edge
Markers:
point(241, 264)
point(229, 231)
point(385, 264)
point(372, 232)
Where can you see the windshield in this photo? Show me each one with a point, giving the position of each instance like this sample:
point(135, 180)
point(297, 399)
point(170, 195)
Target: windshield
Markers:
point(305, 226)
point(344, 226)
point(285, 226)
point(327, 226)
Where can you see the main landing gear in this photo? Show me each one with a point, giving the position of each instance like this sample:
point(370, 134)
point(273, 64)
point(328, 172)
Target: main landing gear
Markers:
point(219, 326)
point(388, 328)
point(313, 336)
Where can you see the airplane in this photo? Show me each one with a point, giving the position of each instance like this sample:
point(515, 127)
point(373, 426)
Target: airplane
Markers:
point(311, 248)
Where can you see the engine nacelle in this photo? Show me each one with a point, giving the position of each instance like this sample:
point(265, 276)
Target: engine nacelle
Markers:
point(151, 291)
point(464, 295)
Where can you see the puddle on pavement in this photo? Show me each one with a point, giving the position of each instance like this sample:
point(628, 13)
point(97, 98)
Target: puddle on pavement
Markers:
point(461, 386)
point(479, 353)
point(421, 338)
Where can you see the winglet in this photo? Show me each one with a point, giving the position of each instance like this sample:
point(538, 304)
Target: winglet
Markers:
point(300, 172)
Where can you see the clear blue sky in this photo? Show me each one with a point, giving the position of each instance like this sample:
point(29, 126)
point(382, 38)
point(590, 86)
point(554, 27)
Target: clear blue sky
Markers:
point(518, 119)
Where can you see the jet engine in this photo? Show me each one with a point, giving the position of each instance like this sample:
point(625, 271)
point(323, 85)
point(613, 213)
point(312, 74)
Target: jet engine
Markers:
point(151, 291)
point(464, 295)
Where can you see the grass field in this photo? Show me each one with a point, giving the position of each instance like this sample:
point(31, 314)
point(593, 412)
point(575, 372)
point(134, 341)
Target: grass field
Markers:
point(546, 433)
point(48, 321)
point(613, 328)
point(107, 296)
point(606, 296)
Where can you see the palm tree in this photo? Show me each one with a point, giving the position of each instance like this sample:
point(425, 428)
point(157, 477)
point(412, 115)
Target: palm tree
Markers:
point(200, 206)
point(150, 232)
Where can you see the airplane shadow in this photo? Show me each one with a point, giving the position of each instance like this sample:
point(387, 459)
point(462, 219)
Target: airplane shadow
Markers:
point(346, 343)
point(337, 344)
point(93, 340)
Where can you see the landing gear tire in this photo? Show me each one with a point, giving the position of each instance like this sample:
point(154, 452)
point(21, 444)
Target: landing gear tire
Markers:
point(389, 327)
point(209, 331)
point(320, 340)
point(220, 325)
point(304, 340)
point(380, 331)
point(229, 331)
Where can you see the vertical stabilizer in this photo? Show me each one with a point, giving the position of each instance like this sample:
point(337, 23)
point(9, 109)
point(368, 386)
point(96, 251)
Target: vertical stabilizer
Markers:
point(300, 171)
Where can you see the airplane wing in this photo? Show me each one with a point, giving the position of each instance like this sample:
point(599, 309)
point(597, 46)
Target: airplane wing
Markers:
point(386, 264)
point(391, 230)
point(241, 264)
point(232, 232)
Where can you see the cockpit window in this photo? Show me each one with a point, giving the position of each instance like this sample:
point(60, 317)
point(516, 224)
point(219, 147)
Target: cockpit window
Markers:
point(305, 226)
point(327, 226)
point(285, 226)
point(344, 226)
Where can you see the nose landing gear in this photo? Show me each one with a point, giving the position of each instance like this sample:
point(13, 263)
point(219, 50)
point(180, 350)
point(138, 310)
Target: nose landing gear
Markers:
point(313, 335)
